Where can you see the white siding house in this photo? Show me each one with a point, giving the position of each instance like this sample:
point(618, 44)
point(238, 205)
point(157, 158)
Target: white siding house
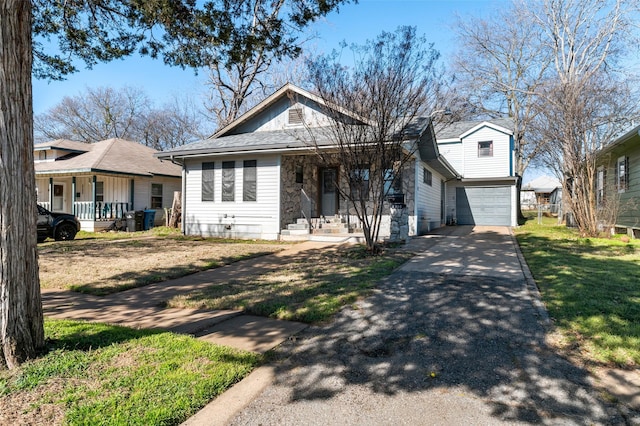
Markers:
point(295, 191)
point(101, 181)
point(462, 173)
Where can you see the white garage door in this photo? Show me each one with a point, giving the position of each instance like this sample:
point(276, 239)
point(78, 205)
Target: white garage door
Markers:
point(477, 205)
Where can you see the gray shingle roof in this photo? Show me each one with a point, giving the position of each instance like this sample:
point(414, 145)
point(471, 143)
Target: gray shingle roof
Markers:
point(112, 155)
point(454, 130)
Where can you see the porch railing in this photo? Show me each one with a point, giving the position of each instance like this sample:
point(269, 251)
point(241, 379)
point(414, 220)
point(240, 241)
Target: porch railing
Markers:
point(305, 207)
point(84, 210)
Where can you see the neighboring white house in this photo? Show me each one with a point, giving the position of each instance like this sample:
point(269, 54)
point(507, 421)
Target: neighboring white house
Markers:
point(99, 182)
point(257, 178)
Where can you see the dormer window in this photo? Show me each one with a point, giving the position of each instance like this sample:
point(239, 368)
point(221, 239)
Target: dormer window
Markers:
point(296, 116)
point(42, 155)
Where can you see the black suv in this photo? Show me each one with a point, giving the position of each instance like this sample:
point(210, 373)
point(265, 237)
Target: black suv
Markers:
point(59, 226)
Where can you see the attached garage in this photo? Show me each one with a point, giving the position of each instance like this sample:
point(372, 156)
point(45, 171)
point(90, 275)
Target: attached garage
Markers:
point(484, 205)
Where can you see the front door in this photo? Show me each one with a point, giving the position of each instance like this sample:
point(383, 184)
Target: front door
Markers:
point(329, 192)
point(58, 197)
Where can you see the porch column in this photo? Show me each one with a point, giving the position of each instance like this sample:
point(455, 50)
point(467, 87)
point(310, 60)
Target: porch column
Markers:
point(50, 193)
point(73, 196)
point(93, 197)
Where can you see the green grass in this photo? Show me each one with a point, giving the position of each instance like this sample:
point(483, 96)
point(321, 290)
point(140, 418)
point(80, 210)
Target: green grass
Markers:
point(591, 287)
point(309, 290)
point(108, 375)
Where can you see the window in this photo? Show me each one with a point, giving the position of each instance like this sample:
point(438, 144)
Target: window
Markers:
point(99, 192)
point(207, 181)
point(42, 155)
point(485, 149)
point(249, 178)
point(228, 180)
point(299, 174)
point(600, 180)
point(622, 174)
point(427, 176)
point(392, 182)
point(156, 195)
point(359, 183)
point(296, 116)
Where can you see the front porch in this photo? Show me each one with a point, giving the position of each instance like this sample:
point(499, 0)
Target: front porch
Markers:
point(95, 216)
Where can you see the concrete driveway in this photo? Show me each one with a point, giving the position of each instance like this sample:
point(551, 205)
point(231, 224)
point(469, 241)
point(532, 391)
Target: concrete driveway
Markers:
point(452, 337)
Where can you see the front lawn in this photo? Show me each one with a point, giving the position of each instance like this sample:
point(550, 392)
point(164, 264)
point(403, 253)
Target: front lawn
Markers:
point(591, 288)
point(108, 375)
point(311, 289)
point(119, 260)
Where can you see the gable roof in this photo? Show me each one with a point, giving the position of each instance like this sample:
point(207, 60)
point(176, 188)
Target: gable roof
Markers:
point(460, 129)
point(111, 156)
point(288, 90)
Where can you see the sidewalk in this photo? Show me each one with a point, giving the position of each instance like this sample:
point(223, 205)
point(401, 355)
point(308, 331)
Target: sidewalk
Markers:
point(144, 307)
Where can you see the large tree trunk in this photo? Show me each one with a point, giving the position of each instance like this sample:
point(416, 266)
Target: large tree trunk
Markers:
point(21, 321)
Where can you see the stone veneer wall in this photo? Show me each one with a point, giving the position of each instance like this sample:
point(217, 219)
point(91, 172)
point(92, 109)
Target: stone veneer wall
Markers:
point(291, 196)
point(290, 202)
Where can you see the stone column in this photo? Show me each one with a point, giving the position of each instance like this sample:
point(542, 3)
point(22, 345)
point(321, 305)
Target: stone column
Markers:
point(399, 223)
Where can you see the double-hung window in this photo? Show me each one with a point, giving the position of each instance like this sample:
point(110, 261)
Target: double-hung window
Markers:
point(485, 149)
point(427, 176)
point(359, 182)
point(600, 183)
point(156, 195)
point(622, 174)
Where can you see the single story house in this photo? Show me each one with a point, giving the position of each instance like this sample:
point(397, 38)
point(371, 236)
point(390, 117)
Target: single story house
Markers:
point(543, 187)
point(99, 182)
point(618, 182)
point(258, 177)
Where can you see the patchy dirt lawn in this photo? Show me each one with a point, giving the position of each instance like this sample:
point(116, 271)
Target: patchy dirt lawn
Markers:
point(99, 266)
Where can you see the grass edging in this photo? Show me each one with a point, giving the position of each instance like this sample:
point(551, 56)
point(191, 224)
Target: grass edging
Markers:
point(112, 375)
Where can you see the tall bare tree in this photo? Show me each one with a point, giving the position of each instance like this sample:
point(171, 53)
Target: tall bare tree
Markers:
point(241, 78)
point(588, 99)
point(501, 63)
point(104, 112)
point(182, 32)
point(387, 94)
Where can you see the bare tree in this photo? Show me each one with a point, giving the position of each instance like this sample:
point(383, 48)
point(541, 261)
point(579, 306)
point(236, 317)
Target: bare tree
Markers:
point(374, 110)
point(104, 112)
point(500, 66)
point(94, 115)
point(241, 78)
point(587, 100)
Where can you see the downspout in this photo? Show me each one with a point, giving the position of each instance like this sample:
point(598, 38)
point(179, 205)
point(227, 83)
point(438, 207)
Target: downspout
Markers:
point(183, 197)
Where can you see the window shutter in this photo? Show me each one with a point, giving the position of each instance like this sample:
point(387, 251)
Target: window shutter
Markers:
point(616, 183)
point(627, 174)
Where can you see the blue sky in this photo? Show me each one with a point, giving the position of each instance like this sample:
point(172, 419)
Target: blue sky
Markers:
point(355, 23)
